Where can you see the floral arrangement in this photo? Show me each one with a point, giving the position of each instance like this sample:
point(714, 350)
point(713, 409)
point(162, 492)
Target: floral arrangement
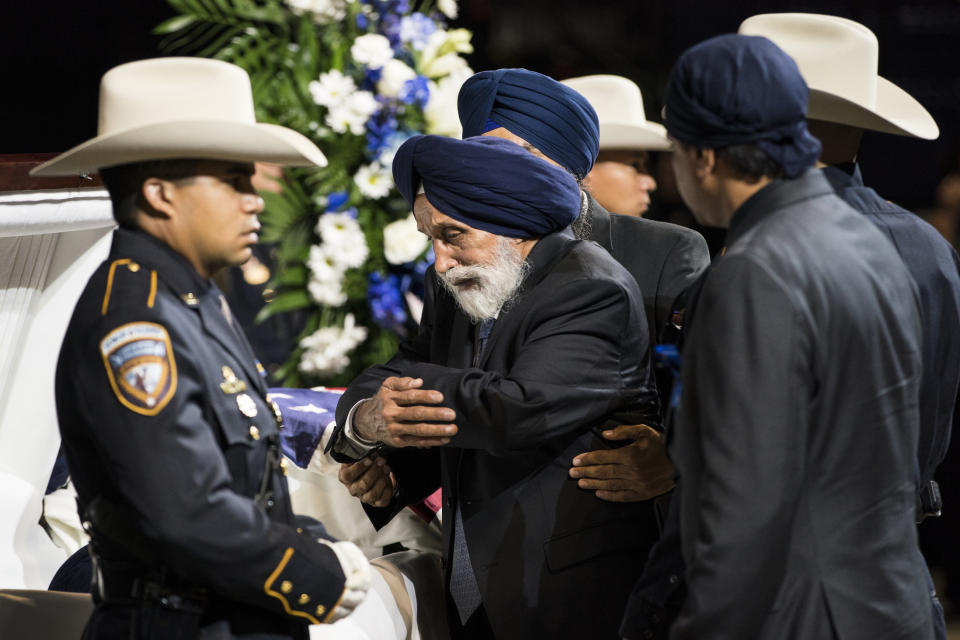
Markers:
point(358, 77)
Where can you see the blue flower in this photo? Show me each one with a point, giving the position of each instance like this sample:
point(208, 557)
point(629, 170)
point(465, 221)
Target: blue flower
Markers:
point(379, 131)
point(390, 27)
point(389, 145)
point(362, 21)
point(416, 91)
point(336, 199)
point(386, 302)
point(416, 29)
point(370, 79)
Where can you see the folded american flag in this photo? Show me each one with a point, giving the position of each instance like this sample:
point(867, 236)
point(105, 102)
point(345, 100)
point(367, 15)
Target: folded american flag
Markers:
point(307, 413)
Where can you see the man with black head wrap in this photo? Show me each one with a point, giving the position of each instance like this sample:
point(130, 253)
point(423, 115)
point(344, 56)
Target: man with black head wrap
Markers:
point(531, 343)
point(798, 420)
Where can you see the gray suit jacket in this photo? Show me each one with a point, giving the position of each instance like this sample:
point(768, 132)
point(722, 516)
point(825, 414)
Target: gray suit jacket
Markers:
point(798, 427)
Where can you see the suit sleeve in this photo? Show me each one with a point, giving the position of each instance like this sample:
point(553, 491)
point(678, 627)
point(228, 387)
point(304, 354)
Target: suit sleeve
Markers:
point(170, 470)
point(583, 358)
point(739, 448)
point(685, 261)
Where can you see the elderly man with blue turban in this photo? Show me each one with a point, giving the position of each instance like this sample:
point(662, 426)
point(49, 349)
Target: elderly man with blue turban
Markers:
point(559, 125)
point(531, 343)
point(798, 422)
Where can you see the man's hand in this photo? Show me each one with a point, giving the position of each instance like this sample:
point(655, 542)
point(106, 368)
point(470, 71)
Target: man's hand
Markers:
point(402, 414)
point(631, 473)
point(369, 479)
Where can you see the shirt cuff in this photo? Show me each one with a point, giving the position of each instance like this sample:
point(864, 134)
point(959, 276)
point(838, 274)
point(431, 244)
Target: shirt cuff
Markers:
point(355, 439)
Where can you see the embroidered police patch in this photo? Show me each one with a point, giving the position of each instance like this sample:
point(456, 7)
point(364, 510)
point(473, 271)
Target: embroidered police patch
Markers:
point(140, 366)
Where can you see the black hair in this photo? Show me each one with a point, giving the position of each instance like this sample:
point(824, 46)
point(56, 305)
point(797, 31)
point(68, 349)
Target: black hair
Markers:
point(124, 182)
point(748, 162)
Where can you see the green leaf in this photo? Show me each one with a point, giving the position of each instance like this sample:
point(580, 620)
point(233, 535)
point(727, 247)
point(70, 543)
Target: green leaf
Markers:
point(286, 301)
point(177, 23)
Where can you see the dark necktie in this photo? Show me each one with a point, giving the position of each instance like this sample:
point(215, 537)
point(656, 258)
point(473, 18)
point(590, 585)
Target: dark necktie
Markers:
point(463, 582)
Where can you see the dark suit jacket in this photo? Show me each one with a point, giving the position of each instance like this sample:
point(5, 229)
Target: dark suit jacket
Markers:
point(566, 359)
point(797, 430)
point(935, 268)
point(663, 258)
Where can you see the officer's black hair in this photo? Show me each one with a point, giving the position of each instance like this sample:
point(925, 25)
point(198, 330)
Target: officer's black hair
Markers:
point(124, 182)
point(748, 162)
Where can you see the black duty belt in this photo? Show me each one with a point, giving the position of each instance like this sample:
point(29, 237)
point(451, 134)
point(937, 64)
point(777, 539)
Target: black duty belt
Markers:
point(128, 588)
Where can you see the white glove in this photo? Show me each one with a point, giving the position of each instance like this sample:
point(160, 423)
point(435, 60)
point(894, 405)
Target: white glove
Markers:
point(356, 570)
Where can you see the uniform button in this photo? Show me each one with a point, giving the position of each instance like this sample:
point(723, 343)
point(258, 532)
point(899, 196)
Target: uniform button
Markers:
point(303, 599)
point(270, 503)
point(134, 267)
point(283, 465)
point(254, 432)
point(299, 530)
point(673, 579)
point(286, 586)
point(321, 609)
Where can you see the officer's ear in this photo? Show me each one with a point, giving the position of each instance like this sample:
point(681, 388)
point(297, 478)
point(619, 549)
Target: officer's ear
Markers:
point(157, 197)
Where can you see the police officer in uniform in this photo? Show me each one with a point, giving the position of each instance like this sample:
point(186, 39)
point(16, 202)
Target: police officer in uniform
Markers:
point(166, 424)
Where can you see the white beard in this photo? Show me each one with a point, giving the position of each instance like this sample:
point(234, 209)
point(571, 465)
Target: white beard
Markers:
point(495, 283)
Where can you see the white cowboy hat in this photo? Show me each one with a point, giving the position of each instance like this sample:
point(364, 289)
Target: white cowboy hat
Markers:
point(838, 59)
point(619, 106)
point(166, 108)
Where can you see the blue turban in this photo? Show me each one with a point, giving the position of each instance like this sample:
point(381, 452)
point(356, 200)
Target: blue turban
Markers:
point(551, 116)
point(488, 183)
point(736, 89)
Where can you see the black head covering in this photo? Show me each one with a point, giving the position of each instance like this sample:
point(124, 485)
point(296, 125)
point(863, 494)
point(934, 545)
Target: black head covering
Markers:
point(736, 89)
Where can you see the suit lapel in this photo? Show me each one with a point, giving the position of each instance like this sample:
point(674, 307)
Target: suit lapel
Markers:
point(542, 259)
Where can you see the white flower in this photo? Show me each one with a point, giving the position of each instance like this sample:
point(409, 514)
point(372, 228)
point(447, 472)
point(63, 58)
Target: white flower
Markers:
point(440, 45)
point(402, 242)
point(448, 8)
point(342, 118)
point(372, 50)
point(323, 11)
point(326, 350)
point(329, 294)
point(441, 110)
point(352, 113)
point(326, 278)
point(362, 103)
point(332, 88)
point(444, 65)
point(344, 244)
point(374, 180)
point(394, 74)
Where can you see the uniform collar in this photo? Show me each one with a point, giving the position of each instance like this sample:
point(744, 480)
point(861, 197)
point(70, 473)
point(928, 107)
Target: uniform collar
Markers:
point(154, 254)
point(775, 196)
point(844, 176)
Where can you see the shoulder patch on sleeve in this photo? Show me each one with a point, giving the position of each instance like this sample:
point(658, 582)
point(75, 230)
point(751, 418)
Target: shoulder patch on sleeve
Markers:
point(140, 365)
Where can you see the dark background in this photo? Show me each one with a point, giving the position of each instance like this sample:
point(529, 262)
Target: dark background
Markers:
point(55, 52)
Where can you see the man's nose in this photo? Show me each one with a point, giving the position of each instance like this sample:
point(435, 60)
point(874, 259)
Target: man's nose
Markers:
point(647, 183)
point(444, 257)
point(252, 203)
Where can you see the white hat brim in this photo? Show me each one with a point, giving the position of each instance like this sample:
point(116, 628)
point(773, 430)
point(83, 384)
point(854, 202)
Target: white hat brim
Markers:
point(897, 112)
point(206, 139)
point(650, 136)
